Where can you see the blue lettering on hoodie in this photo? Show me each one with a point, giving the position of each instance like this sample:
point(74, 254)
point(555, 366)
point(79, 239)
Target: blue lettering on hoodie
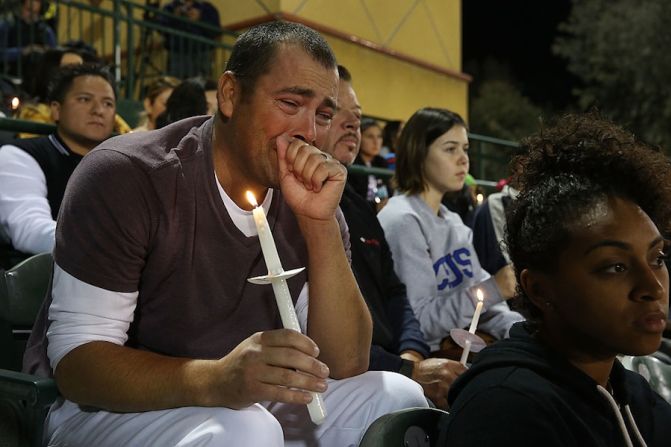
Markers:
point(451, 268)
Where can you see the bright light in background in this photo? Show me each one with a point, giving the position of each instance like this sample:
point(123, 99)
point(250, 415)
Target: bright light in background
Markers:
point(15, 103)
point(480, 198)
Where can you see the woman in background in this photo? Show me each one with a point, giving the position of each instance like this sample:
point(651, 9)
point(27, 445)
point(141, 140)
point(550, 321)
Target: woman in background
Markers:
point(432, 248)
point(155, 101)
point(187, 99)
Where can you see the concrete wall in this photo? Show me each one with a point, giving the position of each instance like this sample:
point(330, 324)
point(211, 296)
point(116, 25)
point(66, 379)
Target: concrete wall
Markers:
point(403, 54)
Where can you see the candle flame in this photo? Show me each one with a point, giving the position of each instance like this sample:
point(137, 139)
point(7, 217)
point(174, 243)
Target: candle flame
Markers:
point(479, 294)
point(251, 199)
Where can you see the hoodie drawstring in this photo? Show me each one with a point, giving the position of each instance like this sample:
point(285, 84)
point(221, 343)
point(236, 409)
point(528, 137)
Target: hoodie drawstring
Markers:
point(620, 419)
point(630, 416)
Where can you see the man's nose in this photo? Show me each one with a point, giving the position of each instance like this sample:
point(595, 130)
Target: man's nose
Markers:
point(306, 129)
point(352, 122)
point(96, 107)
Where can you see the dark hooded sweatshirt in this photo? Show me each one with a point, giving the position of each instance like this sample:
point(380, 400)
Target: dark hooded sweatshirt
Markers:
point(520, 393)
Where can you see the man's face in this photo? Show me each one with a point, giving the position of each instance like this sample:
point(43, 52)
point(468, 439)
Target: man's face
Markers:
point(295, 98)
point(344, 137)
point(86, 115)
point(31, 10)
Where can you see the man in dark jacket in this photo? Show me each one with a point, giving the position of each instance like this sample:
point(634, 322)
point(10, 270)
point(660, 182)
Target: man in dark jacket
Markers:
point(398, 344)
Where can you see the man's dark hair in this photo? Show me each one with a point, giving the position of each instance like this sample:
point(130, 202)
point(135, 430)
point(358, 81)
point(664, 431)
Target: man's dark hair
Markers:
point(568, 169)
point(422, 129)
point(344, 74)
point(64, 77)
point(254, 50)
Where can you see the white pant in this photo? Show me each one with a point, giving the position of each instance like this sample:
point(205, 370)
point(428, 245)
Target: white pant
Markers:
point(351, 404)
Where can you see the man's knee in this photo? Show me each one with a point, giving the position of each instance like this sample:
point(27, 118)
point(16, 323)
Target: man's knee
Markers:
point(250, 426)
point(391, 390)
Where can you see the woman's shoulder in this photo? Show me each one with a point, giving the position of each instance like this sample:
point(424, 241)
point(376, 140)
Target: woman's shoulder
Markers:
point(517, 380)
point(399, 207)
point(399, 216)
point(513, 402)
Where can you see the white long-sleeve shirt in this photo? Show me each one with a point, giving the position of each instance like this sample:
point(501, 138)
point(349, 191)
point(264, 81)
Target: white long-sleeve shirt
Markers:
point(25, 214)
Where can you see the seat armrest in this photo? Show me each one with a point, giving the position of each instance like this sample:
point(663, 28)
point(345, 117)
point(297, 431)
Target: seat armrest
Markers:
point(35, 391)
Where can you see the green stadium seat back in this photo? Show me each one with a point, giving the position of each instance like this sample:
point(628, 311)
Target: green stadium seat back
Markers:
point(129, 110)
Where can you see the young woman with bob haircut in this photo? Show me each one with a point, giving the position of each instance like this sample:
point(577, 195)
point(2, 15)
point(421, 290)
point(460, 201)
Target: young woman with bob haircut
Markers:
point(432, 248)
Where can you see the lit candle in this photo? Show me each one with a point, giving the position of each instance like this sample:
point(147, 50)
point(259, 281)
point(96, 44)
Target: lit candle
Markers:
point(474, 325)
point(265, 237)
point(277, 278)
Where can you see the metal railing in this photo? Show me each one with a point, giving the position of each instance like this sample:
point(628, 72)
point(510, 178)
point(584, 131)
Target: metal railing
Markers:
point(137, 39)
point(490, 158)
point(14, 126)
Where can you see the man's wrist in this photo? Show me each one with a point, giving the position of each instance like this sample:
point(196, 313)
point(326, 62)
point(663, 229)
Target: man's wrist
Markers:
point(317, 228)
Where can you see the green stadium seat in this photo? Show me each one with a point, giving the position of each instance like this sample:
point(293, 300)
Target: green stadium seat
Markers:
point(24, 398)
point(412, 427)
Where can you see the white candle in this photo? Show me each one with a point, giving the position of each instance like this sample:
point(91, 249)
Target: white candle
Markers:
point(466, 351)
point(474, 326)
point(285, 305)
point(478, 311)
point(265, 237)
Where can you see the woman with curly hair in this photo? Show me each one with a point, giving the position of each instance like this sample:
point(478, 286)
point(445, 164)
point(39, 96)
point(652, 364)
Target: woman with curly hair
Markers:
point(586, 237)
point(432, 248)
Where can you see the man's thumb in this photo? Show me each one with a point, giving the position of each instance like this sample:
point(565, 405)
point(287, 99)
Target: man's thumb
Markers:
point(282, 142)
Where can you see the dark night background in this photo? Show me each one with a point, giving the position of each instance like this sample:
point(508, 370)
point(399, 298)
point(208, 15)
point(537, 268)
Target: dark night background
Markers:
point(519, 36)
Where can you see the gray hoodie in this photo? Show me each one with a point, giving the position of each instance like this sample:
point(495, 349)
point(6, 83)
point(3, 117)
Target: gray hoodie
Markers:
point(434, 257)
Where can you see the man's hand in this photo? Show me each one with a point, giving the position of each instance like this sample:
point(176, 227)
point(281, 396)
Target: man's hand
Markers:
point(436, 376)
point(279, 366)
point(311, 180)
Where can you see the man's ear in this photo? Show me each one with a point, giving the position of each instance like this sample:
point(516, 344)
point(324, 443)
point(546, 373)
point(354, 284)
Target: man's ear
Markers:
point(55, 111)
point(228, 94)
point(536, 285)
